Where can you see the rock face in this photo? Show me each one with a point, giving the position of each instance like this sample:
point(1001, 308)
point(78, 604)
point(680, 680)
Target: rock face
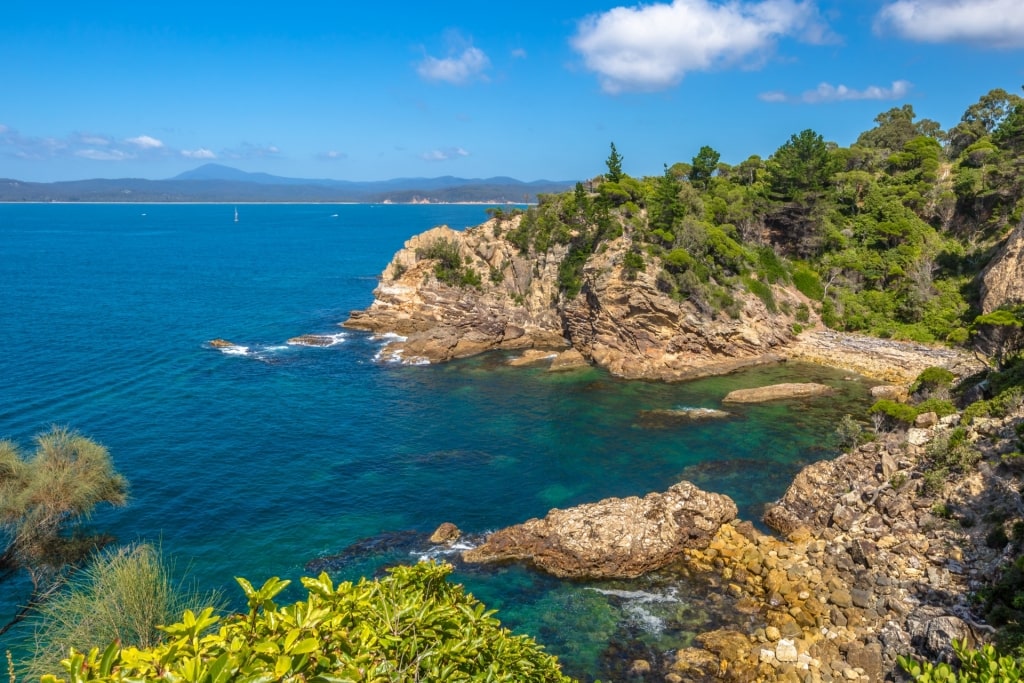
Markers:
point(1002, 281)
point(777, 392)
point(614, 538)
point(625, 325)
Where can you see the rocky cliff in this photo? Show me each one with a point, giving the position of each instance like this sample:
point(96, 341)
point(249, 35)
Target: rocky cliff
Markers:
point(505, 299)
point(1002, 281)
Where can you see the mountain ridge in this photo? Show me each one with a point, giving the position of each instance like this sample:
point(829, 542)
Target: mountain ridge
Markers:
point(219, 183)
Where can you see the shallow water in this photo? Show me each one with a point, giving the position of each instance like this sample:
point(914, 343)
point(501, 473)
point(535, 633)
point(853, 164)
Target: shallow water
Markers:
point(255, 460)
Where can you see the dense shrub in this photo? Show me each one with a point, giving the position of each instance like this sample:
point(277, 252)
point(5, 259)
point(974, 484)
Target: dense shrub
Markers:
point(931, 379)
point(897, 413)
point(411, 625)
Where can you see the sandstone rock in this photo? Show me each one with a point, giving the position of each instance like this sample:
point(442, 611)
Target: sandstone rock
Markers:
point(532, 357)
point(616, 537)
point(786, 651)
point(570, 359)
point(889, 392)
point(925, 420)
point(446, 533)
point(777, 392)
point(221, 343)
point(321, 340)
point(918, 437)
point(1002, 280)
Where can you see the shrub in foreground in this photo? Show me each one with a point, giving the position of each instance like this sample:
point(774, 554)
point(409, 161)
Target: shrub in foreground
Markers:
point(411, 625)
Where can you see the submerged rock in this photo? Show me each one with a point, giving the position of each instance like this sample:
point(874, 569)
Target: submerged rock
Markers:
point(568, 360)
point(660, 418)
point(777, 391)
point(613, 538)
point(221, 343)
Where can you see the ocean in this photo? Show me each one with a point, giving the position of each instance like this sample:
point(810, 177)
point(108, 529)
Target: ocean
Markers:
point(269, 459)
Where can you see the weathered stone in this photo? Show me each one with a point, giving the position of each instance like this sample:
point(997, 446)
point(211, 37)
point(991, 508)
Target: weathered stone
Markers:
point(1002, 280)
point(889, 392)
point(786, 651)
point(446, 533)
point(617, 537)
point(532, 357)
point(918, 437)
point(777, 391)
point(570, 359)
point(924, 420)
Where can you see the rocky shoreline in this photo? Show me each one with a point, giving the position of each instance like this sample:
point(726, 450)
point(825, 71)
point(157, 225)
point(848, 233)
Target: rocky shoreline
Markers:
point(869, 564)
point(874, 557)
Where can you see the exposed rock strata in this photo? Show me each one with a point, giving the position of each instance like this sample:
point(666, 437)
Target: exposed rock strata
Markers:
point(775, 392)
point(1002, 280)
point(625, 325)
point(887, 360)
point(614, 538)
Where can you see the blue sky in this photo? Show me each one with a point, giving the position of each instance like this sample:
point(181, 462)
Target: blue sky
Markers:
point(376, 90)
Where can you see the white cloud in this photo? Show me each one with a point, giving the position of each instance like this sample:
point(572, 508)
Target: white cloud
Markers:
point(989, 23)
point(651, 47)
point(145, 142)
point(519, 53)
point(3, 129)
point(95, 140)
point(459, 69)
point(201, 153)
point(826, 92)
point(103, 154)
point(444, 154)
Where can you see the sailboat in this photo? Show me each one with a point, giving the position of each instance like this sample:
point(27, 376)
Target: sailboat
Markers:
point(236, 214)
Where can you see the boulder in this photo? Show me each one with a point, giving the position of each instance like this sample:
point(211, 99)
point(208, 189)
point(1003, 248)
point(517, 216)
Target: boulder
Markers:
point(221, 343)
point(777, 391)
point(532, 357)
point(613, 538)
point(446, 533)
point(889, 392)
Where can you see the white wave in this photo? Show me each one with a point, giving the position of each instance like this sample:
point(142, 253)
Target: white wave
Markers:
point(283, 347)
point(639, 596)
point(644, 620)
point(234, 350)
point(389, 337)
point(439, 551)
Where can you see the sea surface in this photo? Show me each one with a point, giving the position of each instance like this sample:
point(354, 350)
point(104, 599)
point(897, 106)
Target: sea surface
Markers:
point(269, 459)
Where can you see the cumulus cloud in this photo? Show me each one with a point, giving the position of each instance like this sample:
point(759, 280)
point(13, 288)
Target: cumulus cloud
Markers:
point(826, 92)
point(145, 142)
point(201, 153)
point(458, 69)
point(989, 23)
point(444, 154)
point(651, 47)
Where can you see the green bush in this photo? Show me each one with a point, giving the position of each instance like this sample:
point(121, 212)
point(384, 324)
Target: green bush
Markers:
point(952, 451)
point(763, 292)
point(931, 379)
point(939, 406)
point(895, 411)
point(411, 625)
point(808, 283)
point(984, 665)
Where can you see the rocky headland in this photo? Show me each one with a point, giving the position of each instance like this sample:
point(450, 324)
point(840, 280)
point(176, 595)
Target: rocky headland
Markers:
point(620, 320)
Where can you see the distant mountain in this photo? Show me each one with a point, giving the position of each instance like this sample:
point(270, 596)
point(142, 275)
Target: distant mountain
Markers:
point(218, 183)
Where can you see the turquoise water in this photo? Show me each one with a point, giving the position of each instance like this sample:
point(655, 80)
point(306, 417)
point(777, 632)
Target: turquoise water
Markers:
point(256, 464)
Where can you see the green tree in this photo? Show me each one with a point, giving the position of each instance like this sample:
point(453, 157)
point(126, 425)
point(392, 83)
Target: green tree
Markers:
point(704, 166)
point(614, 164)
point(896, 128)
point(981, 119)
point(802, 166)
point(45, 496)
point(1000, 334)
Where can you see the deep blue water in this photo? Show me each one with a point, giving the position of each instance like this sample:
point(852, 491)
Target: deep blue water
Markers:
point(253, 465)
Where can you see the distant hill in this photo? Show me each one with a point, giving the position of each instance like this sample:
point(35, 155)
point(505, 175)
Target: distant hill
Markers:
point(218, 183)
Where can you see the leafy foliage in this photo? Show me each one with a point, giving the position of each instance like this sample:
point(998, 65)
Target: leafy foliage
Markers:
point(983, 665)
point(411, 625)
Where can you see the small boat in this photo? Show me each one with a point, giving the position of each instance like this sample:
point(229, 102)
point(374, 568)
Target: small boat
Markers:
point(236, 214)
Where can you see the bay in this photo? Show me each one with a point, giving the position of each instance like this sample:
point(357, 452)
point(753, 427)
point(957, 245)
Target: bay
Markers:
point(257, 463)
